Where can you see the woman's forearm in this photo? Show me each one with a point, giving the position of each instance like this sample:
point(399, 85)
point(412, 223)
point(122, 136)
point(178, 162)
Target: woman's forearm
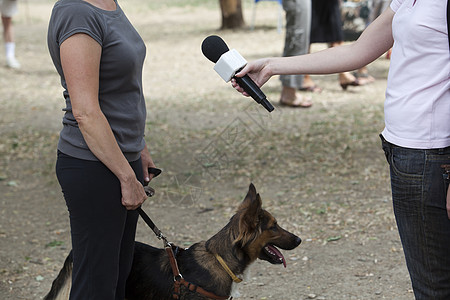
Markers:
point(102, 143)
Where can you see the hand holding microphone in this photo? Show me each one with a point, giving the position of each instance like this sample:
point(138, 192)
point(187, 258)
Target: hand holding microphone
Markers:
point(228, 63)
point(258, 70)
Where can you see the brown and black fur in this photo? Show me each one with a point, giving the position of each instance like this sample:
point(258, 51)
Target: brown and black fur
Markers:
point(239, 243)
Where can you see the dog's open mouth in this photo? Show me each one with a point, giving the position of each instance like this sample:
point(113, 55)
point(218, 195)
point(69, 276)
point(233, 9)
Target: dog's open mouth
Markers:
point(271, 254)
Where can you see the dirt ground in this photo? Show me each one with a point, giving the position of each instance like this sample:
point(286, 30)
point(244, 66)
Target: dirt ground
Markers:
point(320, 171)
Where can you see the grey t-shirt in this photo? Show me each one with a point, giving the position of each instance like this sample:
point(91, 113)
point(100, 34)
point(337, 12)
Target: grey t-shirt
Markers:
point(120, 84)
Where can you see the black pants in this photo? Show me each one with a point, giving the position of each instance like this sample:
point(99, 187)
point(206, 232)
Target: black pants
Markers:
point(102, 230)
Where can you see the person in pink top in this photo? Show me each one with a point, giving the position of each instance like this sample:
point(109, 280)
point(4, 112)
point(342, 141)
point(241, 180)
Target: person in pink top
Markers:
point(416, 137)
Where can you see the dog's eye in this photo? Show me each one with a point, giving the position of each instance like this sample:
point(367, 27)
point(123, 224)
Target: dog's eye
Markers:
point(274, 227)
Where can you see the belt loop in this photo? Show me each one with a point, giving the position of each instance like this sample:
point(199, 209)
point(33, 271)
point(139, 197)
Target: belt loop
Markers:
point(441, 151)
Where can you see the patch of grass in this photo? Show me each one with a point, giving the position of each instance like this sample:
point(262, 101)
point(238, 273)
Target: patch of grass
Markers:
point(54, 243)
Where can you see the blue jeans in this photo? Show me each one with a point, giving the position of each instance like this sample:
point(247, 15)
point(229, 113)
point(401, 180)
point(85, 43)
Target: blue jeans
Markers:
point(419, 192)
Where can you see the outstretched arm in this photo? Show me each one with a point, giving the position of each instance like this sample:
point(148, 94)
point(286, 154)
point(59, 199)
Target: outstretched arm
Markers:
point(373, 42)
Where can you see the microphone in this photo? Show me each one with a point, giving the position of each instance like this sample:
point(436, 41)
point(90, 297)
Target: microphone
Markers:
point(228, 63)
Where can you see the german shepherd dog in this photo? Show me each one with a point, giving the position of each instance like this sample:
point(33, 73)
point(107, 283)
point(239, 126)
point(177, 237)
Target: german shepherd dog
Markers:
point(250, 234)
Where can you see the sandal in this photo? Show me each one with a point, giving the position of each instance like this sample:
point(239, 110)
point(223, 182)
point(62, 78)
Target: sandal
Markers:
point(313, 88)
point(351, 83)
point(348, 79)
point(297, 103)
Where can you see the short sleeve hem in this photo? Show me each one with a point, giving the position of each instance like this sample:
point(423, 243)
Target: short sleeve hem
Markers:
point(77, 31)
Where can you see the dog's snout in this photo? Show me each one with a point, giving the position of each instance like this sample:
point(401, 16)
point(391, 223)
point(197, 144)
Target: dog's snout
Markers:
point(295, 241)
point(290, 241)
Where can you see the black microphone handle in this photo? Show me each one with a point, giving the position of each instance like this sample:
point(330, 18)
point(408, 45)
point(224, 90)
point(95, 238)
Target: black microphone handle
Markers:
point(254, 91)
point(250, 87)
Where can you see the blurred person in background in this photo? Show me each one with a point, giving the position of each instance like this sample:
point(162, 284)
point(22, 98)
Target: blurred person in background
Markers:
point(298, 27)
point(8, 8)
point(326, 27)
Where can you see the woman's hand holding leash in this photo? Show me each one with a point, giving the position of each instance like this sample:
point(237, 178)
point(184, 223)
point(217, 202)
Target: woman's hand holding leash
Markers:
point(133, 194)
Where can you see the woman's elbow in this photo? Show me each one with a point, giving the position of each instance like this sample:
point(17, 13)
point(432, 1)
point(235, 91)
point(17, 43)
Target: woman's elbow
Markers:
point(84, 116)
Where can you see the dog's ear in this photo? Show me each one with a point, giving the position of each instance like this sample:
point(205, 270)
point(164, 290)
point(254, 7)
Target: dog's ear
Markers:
point(251, 204)
point(249, 212)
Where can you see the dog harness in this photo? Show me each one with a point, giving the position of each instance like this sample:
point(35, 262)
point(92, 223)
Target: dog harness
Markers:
point(180, 281)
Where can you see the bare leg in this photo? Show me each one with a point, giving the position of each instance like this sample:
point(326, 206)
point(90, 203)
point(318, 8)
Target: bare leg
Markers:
point(8, 37)
point(8, 32)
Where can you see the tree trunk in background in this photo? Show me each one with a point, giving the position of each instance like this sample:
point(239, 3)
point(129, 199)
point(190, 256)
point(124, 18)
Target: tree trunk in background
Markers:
point(232, 16)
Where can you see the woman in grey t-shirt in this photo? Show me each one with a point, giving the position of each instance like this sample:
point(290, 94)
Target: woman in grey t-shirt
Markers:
point(102, 156)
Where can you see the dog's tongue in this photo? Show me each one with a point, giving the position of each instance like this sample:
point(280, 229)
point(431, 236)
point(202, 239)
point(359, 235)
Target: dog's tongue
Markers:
point(277, 253)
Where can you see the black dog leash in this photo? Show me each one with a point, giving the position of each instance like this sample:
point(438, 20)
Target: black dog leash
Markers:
point(150, 192)
point(152, 225)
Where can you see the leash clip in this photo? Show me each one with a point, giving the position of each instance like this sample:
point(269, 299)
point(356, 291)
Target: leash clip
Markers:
point(177, 278)
point(161, 236)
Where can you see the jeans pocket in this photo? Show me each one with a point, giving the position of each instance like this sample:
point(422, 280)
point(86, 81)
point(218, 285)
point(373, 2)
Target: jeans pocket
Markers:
point(408, 163)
